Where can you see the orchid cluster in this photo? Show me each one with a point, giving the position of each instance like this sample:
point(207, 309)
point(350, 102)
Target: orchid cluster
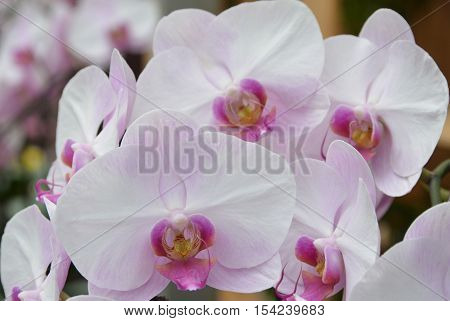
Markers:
point(74, 33)
point(249, 154)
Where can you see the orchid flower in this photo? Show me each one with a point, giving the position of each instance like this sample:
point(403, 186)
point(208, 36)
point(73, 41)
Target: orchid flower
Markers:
point(193, 228)
point(94, 112)
point(334, 237)
point(24, 51)
point(389, 100)
point(418, 268)
point(29, 246)
point(251, 71)
point(99, 26)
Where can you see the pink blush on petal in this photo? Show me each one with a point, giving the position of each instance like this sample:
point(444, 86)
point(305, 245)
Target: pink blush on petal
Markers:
point(305, 250)
point(334, 265)
point(180, 244)
point(340, 122)
point(315, 289)
point(188, 275)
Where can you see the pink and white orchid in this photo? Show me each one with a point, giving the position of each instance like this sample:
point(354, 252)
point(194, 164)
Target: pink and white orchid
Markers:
point(418, 268)
point(389, 100)
point(24, 52)
point(123, 24)
point(251, 71)
point(194, 228)
point(29, 246)
point(94, 112)
point(334, 237)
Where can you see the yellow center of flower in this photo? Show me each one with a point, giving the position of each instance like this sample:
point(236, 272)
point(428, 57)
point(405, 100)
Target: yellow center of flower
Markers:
point(243, 108)
point(362, 137)
point(320, 266)
point(182, 247)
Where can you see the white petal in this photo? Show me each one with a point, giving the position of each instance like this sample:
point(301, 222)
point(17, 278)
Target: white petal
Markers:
point(175, 80)
point(26, 250)
point(122, 78)
point(384, 27)
point(105, 217)
point(352, 166)
point(317, 181)
point(248, 193)
point(358, 238)
point(412, 270)
point(149, 128)
point(386, 179)
point(433, 223)
point(83, 106)
point(351, 64)
point(255, 279)
point(272, 37)
point(154, 286)
point(411, 97)
point(186, 27)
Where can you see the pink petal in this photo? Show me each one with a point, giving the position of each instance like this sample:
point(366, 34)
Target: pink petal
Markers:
point(187, 275)
point(314, 288)
point(340, 122)
point(254, 87)
point(67, 153)
point(206, 228)
point(80, 159)
point(157, 235)
point(305, 250)
point(219, 110)
point(334, 265)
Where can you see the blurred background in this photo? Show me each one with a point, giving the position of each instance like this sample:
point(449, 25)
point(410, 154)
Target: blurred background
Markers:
point(43, 43)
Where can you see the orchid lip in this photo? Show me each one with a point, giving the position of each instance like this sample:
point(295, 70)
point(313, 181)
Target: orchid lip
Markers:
point(47, 193)
point(76, 155)
point(289, 296)
point(363, 129)
point(242, 111)
point(326, 259)
point(180, 239)
point(28, 295)
point(15, 293)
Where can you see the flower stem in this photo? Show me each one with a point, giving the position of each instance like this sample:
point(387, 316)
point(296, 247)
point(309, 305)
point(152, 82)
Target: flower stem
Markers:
point(433, 179)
